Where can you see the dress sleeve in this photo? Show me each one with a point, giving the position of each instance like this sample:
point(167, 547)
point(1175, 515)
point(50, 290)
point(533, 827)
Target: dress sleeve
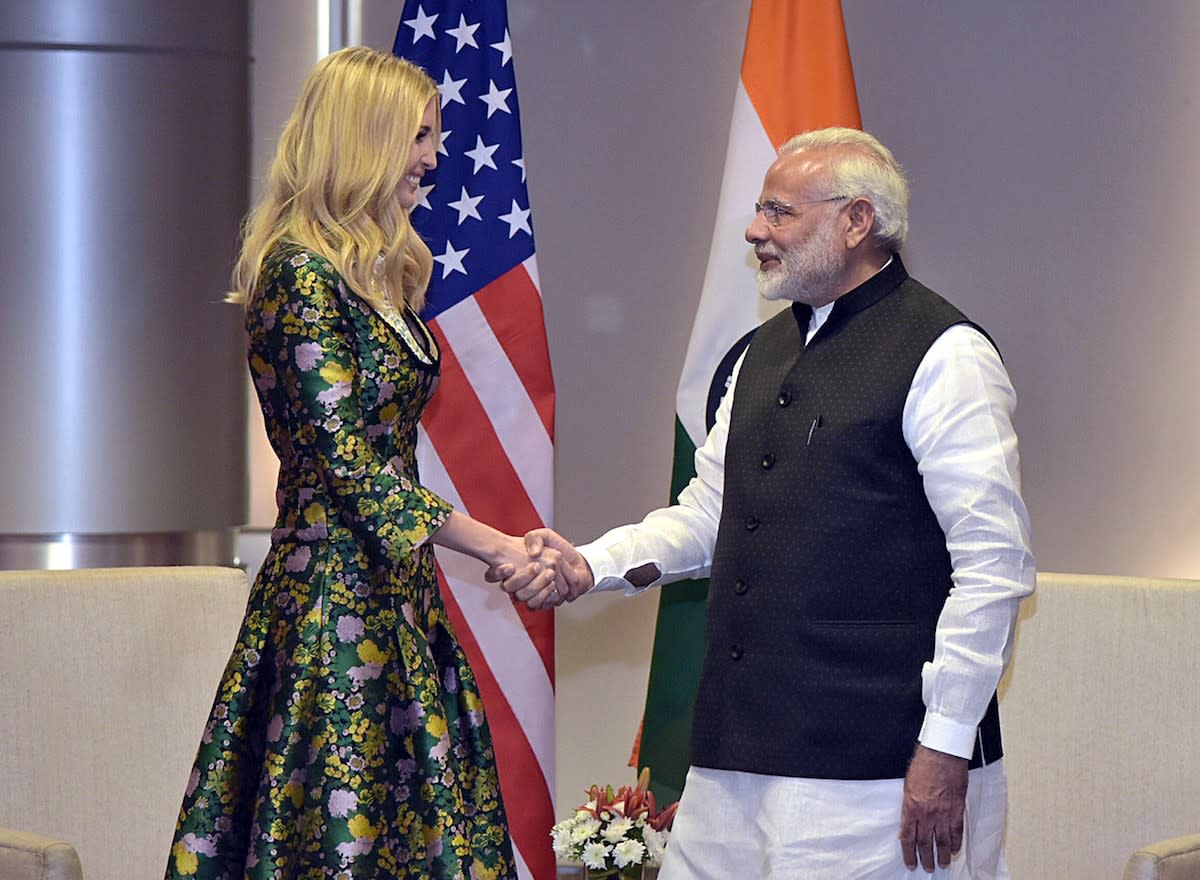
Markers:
point(304, 358)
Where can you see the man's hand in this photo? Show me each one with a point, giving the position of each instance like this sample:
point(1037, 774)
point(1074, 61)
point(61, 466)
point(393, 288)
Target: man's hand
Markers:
point(935, 797)
point(574, 572)
point(535, 583)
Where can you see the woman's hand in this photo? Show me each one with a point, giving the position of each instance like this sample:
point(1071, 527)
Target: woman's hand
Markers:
point(545, 550)
point(531, 570)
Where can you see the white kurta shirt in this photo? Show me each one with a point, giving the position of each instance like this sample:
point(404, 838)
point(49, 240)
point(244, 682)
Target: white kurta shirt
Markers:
point(957, 421)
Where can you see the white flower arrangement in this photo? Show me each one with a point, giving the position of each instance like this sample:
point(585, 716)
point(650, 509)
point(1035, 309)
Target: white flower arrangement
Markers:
point(615, 830)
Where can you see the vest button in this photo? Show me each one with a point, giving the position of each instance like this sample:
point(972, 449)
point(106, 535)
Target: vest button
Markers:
point(768, 461)
point(736, 652)
point(740, 587)
point(751, 523)
point(785, 397)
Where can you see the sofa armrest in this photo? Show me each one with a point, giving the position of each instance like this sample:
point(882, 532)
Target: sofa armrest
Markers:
point(1174, 859)
point(25, 856)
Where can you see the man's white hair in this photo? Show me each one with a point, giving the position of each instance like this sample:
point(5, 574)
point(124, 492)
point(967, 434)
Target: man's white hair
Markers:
point(861, 167)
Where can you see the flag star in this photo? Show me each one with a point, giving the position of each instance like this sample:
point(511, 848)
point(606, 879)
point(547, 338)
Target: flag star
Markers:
point(464, 34)
point(517, 218)
point(423, 196)
point(467, 206)
point(442, 142)
point(520, 163)
point(452, 260)
point(482, 154)
point(422, 25)
point(451, 90)
point(496, 99)
point(504, 47)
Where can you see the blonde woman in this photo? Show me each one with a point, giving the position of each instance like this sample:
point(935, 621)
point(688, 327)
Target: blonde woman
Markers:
point(348, 738)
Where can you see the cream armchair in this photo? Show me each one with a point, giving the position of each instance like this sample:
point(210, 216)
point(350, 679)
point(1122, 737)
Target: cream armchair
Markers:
point(25, 856)
point(106, 679)
point(1101, 714)
point(1174, 859)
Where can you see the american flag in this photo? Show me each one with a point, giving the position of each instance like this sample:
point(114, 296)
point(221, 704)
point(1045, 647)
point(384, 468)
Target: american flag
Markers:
point(487, 440)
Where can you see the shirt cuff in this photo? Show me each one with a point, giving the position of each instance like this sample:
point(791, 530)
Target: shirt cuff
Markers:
point(606, 573)
point(944, 734)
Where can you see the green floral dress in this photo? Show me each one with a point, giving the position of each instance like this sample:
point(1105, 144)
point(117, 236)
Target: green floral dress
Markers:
point(347, 739)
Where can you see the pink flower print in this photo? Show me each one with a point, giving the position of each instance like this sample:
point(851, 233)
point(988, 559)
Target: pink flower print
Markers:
point(359, 847)
point(193, 781)
point(366, 672)
point(406, 767)
point(349, 628)
point(441, 750)
point(341, 802)
point(408, 613)
point(408, 718)
point(275, 729)
point(434, 848)
point(307, 354)
point(334, 393)
point(195, 844)
point(450, 681)
point(299, 559)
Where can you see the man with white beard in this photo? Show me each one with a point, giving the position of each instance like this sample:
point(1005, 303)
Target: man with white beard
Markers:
point(857, 506)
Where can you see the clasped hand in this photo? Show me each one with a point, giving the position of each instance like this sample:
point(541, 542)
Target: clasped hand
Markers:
point(543, 571)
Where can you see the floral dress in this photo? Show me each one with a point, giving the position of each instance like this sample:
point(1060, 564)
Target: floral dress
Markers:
point(347, 738)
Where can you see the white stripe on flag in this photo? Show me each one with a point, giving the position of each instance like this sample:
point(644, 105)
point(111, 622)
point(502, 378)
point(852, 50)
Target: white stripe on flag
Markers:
point(515, 419)
point(503, 640)
point(531, 267)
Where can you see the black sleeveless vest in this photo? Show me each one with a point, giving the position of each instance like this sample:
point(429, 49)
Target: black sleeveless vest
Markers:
point(830, 569)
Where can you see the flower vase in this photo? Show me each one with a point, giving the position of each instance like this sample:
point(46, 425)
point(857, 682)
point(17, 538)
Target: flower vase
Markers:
point(631, 872)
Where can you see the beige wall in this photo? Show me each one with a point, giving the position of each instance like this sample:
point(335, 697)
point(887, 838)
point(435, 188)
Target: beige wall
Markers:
point(1053, 162)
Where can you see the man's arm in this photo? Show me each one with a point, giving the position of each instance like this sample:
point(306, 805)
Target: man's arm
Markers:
point(670, 544)
point(958, 424)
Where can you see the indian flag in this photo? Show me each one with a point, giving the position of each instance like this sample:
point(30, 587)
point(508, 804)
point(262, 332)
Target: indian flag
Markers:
point(795, 76)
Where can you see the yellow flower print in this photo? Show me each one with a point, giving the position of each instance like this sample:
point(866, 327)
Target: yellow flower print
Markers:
point(334, 373)
point(369, 652)
point(480, 871)
point(436, 725)
point(295, 791)
point(186, 863)
point(314, 514)
point(361, 827)
point(430, 833)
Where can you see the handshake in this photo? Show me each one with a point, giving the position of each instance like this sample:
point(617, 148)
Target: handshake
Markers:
point(543, 570)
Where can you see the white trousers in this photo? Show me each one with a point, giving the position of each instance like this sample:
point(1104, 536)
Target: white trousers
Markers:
point(746, 826)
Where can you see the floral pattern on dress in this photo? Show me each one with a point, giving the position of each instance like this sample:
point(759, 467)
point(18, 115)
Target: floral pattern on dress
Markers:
point(347, 739)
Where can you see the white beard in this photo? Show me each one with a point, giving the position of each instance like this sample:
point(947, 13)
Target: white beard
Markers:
point(808, 273)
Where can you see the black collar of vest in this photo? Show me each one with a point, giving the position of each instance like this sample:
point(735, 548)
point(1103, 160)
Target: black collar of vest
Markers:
point(862, 297)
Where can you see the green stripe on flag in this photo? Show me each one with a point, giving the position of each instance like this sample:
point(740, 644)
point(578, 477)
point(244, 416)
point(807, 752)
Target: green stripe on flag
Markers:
point(675, 662)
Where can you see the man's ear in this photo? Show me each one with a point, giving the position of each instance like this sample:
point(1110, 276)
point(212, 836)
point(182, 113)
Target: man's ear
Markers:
point(862, 219)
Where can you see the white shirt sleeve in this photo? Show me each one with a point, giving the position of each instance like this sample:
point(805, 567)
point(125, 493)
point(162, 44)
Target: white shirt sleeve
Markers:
point(958, 423)
point(678, 539)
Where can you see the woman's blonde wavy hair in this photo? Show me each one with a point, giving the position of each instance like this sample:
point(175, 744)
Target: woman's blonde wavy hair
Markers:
point(333, 185)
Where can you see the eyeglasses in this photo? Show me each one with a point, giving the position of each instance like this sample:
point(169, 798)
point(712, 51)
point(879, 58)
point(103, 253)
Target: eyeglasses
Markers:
point(775, 212)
